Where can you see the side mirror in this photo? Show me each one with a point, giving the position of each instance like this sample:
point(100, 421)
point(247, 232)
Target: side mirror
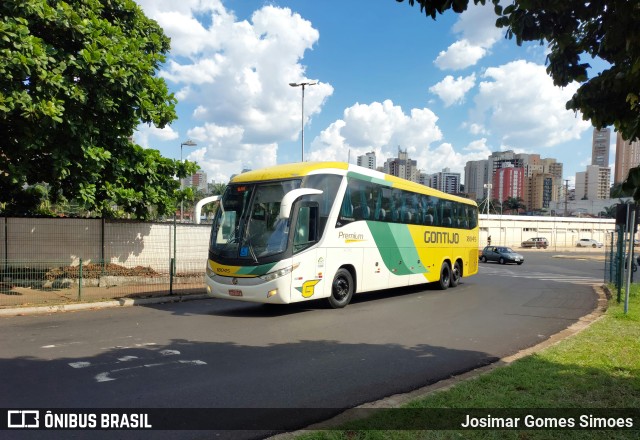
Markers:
point(292, 196)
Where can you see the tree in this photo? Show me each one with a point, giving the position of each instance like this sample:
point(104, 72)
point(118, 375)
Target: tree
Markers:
point(514, 204)
point(606, 29)
point(573, 30)
point(76, 79)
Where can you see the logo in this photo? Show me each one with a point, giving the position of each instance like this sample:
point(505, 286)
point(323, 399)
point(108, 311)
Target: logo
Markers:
point(350, 237)
point(441, 237)
point(29, 418)
point(234, 281)
point(308, 288)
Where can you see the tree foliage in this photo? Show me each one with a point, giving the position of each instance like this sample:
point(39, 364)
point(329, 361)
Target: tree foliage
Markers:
point(574, 31)
point(76, 79)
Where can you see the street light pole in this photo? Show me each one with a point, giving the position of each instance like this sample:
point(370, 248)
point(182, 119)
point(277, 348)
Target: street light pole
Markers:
point(303, 84)
point(188, 143)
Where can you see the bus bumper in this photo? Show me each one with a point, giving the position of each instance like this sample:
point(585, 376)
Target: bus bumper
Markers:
point(254, 289)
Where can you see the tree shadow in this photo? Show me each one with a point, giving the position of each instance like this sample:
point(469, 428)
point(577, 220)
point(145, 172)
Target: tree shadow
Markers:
point(311, 380)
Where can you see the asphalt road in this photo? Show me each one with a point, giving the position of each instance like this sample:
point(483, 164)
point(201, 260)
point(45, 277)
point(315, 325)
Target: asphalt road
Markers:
point(223, 354)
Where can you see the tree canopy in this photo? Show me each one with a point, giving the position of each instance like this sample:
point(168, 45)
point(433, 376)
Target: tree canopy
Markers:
point(575, 30)
point(76, 79)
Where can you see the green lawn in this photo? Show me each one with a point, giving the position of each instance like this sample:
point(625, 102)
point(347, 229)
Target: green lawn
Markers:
point(597, 368)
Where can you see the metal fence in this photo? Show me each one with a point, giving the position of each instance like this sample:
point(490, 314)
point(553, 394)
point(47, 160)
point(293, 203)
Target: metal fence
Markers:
point(617, 255)
point(47, 261)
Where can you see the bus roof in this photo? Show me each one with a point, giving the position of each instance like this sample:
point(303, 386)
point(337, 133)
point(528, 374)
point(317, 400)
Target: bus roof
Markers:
point(300, 169)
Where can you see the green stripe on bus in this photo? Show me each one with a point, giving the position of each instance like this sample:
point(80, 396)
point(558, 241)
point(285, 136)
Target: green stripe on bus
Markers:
point(256, 270)
point(396, 247)
point(368, 178)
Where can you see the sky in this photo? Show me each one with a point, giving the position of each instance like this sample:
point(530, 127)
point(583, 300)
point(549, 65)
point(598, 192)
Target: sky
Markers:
point(388, 77)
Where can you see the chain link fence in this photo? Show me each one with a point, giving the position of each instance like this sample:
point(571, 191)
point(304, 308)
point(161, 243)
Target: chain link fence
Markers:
point(49, 261)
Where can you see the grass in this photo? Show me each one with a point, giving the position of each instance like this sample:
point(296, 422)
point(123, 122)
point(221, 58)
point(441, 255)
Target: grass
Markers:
point(596, 368)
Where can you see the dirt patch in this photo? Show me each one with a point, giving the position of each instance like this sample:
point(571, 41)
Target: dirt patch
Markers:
point(99, 270)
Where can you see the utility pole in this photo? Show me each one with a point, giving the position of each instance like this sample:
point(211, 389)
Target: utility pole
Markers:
point(566, 197)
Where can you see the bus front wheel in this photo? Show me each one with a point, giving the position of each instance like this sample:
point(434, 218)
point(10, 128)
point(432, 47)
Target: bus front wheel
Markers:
point(445, 276)
point(341, 289)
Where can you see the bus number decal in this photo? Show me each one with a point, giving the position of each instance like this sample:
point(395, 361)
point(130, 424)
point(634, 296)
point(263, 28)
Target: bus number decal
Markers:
point(308, 288)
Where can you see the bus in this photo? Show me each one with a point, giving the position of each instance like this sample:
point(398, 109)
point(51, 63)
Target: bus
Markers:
point(327, 230)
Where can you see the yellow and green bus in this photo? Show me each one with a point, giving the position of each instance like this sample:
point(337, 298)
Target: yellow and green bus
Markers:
point(313, 230)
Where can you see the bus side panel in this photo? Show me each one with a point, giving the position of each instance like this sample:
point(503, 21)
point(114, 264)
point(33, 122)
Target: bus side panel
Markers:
point(309, 278)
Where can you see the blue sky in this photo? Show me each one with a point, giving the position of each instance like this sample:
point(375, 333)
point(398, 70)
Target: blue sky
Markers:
point(448, 91)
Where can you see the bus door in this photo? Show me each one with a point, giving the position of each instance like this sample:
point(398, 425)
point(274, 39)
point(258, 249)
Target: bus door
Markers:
point(310, 260)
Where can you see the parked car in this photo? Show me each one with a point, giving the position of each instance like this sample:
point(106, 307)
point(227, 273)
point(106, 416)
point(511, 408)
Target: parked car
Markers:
point(588, 242)
point(536, 242)
point(501, 254)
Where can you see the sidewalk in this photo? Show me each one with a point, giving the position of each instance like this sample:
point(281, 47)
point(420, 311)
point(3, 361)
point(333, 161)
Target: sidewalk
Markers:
point(26, 301)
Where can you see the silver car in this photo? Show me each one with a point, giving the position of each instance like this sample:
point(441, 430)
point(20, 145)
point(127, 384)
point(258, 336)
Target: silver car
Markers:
point(588, 242)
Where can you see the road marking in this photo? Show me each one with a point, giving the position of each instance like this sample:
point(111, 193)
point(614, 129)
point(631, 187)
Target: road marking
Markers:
point(79, 364)
point(134, 363)
point(541, 276)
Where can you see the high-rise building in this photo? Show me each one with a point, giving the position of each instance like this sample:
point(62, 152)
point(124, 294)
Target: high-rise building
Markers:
point(446, 181)
point(627, 157)
point(600, 147)
point(508, 182)
point(593, 184)
point(541, 191)
point(368, 160)
point(476, 175)
point(402, 166)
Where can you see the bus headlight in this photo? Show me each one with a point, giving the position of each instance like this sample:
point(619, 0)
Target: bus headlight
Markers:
point(210, 273)
point(279, 273)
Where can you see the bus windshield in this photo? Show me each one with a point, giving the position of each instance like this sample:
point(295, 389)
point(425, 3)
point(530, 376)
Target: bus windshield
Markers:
point(247, 224)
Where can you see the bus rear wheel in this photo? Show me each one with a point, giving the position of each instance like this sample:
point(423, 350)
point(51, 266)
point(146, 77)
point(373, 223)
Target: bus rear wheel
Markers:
point(456, 274)
point(445, 276)
point(341, 289)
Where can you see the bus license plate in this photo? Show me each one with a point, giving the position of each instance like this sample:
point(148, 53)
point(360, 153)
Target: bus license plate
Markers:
point(235, 292)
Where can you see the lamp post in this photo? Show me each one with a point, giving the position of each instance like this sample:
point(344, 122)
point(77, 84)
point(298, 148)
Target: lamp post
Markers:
point(303, 84)
point(188, 143)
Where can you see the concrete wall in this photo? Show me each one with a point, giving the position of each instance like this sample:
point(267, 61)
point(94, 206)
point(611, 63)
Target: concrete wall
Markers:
point(562, 232)
point(61, 241)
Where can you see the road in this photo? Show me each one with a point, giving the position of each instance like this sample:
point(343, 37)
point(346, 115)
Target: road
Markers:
point(223, 354)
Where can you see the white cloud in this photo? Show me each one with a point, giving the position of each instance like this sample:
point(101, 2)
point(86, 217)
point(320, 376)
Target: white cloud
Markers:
point(234, 76)
point(145, 135)
point(381, 127)
point(478, 32)
point(452, 91)
point(460, 55)
point(526, 117)
point(385, 127)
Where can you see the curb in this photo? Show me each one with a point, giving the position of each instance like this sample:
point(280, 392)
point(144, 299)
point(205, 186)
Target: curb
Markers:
point(122, 302)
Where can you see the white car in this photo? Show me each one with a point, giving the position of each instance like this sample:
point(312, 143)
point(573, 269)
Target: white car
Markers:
point(588, 242)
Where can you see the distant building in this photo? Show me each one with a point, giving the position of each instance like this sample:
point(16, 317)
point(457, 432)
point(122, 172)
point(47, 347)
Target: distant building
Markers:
point(476, 175)
point(541, 191)
point(593, 184)
point(482, 172)
point(402, 166)
point(600, 147)
point(446, 181)
point(627, 157)
point(197, 181)
point(508, 182)
point(368, 160)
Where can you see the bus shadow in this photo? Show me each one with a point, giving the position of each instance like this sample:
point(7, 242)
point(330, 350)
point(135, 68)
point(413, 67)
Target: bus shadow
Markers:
point(247, 310)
